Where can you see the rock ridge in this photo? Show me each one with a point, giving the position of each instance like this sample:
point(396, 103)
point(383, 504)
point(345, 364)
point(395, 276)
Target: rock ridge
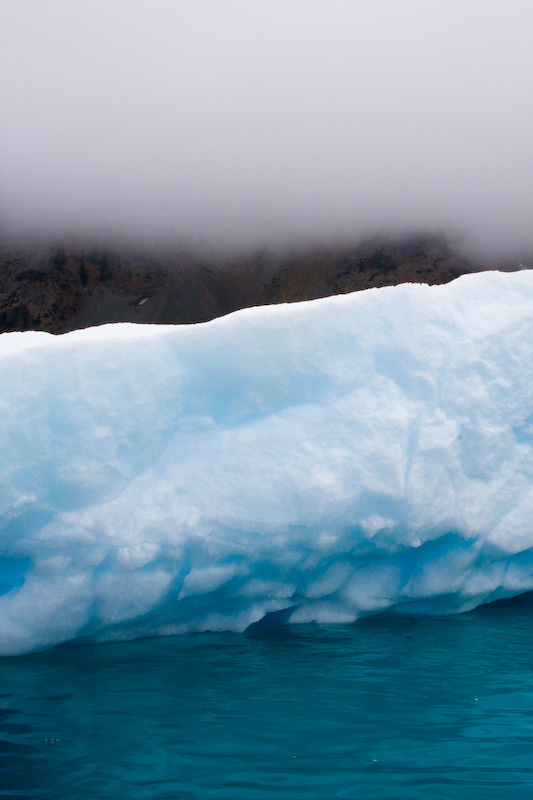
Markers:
point(60, 288)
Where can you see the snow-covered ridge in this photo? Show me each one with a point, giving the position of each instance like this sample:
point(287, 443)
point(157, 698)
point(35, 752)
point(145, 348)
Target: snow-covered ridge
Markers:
point(321, 460)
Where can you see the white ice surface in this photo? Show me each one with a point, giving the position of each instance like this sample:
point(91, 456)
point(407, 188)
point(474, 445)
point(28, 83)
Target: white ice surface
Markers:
point(321, 460)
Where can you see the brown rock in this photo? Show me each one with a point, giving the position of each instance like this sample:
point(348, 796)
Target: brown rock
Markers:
point(63, 288)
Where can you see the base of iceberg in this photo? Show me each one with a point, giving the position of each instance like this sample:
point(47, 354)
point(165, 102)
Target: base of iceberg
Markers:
point(317, 461)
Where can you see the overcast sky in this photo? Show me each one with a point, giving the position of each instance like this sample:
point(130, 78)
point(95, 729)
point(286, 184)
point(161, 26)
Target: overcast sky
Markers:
point(257, 122)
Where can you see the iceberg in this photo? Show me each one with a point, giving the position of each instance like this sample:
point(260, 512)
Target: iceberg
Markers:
point(318, 461)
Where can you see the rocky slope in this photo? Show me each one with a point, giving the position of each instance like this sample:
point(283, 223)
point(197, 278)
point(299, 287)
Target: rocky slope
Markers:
point(61, 288)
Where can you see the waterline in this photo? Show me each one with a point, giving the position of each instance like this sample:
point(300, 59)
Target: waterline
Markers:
point(386, 708)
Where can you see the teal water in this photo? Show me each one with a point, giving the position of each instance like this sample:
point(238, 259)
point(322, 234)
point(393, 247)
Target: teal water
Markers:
point(386, 708)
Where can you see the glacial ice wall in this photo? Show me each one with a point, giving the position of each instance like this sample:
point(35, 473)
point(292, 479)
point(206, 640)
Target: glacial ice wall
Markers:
point(316, 461)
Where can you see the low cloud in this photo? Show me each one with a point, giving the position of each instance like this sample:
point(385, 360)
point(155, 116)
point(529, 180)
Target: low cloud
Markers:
point(248, 123)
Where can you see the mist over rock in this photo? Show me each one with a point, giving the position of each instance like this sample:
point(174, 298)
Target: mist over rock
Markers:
point(262, 124)
point(58, 288)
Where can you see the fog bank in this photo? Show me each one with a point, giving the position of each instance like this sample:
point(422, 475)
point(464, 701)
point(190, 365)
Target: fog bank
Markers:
point(245, 123)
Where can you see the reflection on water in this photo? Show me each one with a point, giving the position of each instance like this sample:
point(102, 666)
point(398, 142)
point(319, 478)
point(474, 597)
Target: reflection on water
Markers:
point(386, 708)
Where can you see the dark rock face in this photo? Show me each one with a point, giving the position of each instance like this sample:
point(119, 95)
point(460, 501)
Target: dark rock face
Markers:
point(58, 290)
point(46, 291)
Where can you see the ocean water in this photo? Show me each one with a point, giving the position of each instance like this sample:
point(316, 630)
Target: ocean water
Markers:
point(386, 708)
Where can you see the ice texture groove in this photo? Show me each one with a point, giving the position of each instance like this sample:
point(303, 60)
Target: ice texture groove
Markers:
point(316, 461)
